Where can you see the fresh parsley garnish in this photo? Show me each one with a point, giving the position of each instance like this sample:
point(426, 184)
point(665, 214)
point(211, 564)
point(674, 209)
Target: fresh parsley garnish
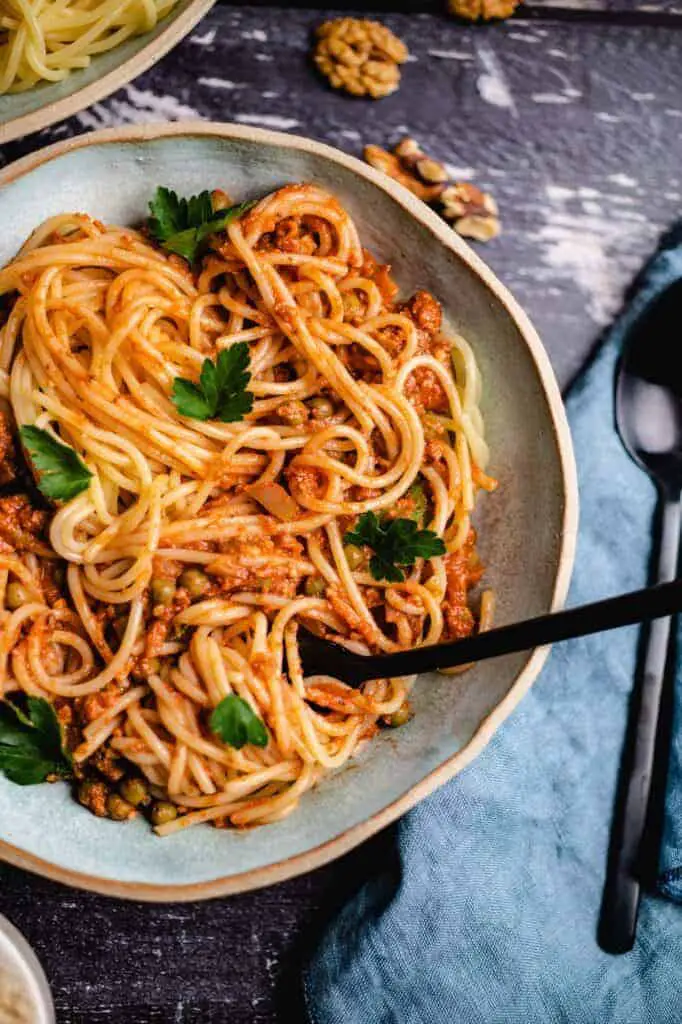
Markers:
point(221, 392)
point(31, 743)
point(395, 542)
point(235, 722)
point(62, 473)
point(183, 225)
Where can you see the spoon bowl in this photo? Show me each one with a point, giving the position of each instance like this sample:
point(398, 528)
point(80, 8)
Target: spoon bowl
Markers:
point(649, 391)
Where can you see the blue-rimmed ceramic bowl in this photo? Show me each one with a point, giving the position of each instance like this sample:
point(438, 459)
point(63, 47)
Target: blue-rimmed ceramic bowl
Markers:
point(527, 530)
point(25, 112)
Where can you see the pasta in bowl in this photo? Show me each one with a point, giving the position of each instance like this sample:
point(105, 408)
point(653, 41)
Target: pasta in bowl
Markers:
point(58, 57)
point(238, 423)
point(252, 435)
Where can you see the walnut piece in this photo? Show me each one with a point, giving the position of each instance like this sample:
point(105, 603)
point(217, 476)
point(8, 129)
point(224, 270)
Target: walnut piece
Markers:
point(485, 10)
point(360, 56)
point(408, 176)
point(471, 212)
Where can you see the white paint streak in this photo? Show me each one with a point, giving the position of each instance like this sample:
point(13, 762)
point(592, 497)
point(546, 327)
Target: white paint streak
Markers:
point(206, 40)
point(263, 57)
point(602, 115)
point(584, 243)
point(350, 133)
point(451, 55)
point(550, 97)
point(268, 121)
point(139, 107)
point(523, 37)
point(492, 85)
point(624, 180)
point(673, 113)
point(257, 33)
point(644, 97)
point(221, 83)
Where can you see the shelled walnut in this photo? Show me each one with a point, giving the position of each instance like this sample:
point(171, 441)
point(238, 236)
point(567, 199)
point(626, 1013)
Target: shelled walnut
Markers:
point(407, 174)
point(485, 10)
point(360, 56)
point(472, 212)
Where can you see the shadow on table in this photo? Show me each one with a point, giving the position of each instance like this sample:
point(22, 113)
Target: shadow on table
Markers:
point(340, 881)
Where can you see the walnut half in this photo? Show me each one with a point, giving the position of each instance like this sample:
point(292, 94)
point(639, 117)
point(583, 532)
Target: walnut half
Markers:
point(360, 56)
point(472, 213)
point(485, 10)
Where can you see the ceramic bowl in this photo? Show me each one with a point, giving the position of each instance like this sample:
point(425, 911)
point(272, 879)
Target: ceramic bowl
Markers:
point(20, 966)
point(25, 112)
point(527, 529)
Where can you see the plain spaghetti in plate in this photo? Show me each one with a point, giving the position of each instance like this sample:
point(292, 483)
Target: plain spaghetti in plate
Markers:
point(241, 428)
point(58, 57)
point(45, 40)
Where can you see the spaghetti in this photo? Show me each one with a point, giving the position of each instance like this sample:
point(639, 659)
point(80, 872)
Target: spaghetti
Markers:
point(45, 40)
point(183, 572)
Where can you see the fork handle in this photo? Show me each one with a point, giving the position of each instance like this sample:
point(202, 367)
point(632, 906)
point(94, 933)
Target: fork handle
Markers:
point(612, 613)
point(620, 905)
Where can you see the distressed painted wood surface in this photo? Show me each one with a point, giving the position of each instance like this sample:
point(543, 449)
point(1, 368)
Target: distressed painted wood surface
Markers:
point(575, 126)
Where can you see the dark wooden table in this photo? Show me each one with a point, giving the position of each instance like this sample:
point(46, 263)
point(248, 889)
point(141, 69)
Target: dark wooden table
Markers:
point(571, 114)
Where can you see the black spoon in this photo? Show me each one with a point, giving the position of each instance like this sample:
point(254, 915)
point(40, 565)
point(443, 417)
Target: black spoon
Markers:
point(649, 421)
point(323, 657)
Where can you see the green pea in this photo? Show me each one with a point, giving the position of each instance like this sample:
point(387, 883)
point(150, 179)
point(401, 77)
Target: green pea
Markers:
point(355, 556)
point(322, 408)
point(163, 591)
point(195, 582)
point(16, 595)
point(293, 412)
point(118, 808)
point(163, 812)
point(315, 586)
point(401, 716)
point(135, 791)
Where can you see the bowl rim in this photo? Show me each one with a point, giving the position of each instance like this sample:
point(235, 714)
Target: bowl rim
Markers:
point(175, 30)
point(349, 838)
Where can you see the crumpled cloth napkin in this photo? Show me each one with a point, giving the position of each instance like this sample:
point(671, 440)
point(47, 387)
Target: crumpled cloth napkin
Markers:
point(491, 915)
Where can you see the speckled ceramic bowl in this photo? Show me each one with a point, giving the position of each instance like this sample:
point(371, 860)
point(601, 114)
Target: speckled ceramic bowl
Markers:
point(25, 112)
point(527, 529)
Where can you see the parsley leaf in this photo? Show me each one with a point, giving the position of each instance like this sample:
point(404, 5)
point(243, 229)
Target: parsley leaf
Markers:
point(234, 721)
point(31, 744)
point(62, 473)
point(221, 392)
point(395, 542)
point(183, 225)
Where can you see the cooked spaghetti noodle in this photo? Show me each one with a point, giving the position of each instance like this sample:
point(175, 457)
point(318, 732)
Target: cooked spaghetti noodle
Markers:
point(45, 40)
point(200, 547)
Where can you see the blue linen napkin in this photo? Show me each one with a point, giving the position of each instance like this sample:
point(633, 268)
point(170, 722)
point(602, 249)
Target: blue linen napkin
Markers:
point(492, 913)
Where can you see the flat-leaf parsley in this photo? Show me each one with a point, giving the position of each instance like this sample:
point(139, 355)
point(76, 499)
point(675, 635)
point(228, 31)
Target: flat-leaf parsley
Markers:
point(183, 225)
point(237, 723)
point(31, 744)
point(62, 474)
point(221, 392)
point(395, 543)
